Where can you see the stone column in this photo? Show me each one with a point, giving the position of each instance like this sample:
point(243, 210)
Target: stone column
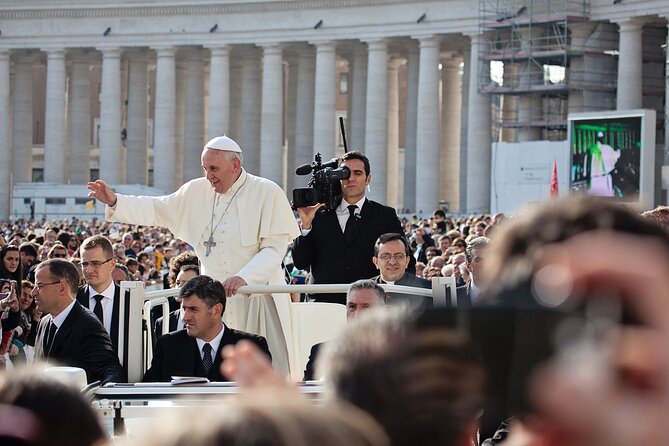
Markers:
point(55, 156)
point(164, 146)
point(324, 101)
point(250, 110)
point(464, 128)
point(530, 76)
point(180, 117)
point(22, 121)
point(271, 135)
point(376, 125)
point(235, 99)
point(630, 65)
point(393, 131)
point(358, 98)
point(110, 116)
point(427, 127)
point(5, 132)
point(193, 115)
point(304, 116)
point(579, 33)
point(451, 119)
point(290, 69)
point(80, 120)
point(478, 137)
point(137, 169)
point(219, 92)
point(410, 129)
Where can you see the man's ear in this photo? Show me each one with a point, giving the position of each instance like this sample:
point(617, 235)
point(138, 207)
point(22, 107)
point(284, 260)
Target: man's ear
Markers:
point(376, 262)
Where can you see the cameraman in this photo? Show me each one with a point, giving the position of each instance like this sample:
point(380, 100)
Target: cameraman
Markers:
point(338, 245)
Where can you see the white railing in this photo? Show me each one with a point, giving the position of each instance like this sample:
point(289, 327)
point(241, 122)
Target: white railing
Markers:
point(135, 337)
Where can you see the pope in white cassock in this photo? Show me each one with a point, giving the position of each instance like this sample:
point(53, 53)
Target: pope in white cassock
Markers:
point(240, 226)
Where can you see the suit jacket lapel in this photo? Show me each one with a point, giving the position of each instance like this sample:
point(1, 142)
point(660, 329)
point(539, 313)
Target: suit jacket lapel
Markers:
point(65, 329)
point(331, 218)
point(39, 338)
point(366, 214)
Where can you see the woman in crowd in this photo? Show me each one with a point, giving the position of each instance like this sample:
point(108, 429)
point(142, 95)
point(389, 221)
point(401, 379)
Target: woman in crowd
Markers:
point(10, 263)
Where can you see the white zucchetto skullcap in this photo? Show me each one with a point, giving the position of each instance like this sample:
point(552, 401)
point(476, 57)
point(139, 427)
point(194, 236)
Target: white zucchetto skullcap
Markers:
point(223, 143)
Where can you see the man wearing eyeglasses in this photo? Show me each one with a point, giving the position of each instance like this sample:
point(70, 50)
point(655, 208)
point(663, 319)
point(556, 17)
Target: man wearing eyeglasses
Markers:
point(100, 294)
point(70, 334)
point(392, 255)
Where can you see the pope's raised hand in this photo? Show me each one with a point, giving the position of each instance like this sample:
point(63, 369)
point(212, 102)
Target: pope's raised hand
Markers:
point(101, 191)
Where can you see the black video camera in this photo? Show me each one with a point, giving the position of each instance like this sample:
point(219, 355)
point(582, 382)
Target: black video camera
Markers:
point(324, 186)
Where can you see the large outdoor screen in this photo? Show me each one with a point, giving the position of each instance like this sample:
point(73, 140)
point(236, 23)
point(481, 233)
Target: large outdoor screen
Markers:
point(612, 155)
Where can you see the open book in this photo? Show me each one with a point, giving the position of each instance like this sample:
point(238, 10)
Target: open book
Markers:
point(189, 380)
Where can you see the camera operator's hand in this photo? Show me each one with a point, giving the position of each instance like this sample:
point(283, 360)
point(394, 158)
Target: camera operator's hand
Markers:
point(307, 214)
point(101, 191)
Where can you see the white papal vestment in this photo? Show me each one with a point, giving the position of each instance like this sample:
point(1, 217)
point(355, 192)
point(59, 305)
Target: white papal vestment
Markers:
point(251, 240)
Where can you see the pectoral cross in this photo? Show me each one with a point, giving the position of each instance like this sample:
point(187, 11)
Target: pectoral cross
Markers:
point(210, 243)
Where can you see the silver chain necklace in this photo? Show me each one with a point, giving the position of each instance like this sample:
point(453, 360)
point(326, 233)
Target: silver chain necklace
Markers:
point(210, 243)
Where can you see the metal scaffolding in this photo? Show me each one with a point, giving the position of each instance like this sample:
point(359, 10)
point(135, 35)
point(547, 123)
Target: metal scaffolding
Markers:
point(527, 54)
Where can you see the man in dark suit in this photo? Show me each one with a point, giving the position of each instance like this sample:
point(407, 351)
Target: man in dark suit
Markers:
point(71, 334)
point(362, 295)
point(338, 245)
point(391, 256)
point(196, 350)
point(475, 252)
point(100, 294)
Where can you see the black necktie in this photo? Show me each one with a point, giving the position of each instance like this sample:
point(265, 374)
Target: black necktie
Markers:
point(48, 339)
point(349, 229)
point(207, 362)
point(98, 307)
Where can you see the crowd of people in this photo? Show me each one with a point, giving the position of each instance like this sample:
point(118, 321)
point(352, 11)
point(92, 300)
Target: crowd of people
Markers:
point(402, 372)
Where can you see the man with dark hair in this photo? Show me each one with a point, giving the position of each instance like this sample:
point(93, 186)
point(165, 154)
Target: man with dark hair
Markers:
point(196, 350)
point(391, 257)
point(176, 321)
point(424, 385)
point(362, 296)
point(475, 251)
point(29, 255)
point(338, 245)
point(100, 294)
point(71, 334)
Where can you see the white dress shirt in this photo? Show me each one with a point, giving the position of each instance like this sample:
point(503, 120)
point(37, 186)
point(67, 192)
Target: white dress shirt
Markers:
point(214, 344)
point(107, 304)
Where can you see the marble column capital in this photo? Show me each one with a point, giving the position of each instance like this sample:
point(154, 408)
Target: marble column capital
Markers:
point(219, 51)
point(630, 24)
point(376, 45)
point(272, 47)
point(428, 40)
point(111, 52)
point(164, 51)
point(324, 46)
point(55, 53)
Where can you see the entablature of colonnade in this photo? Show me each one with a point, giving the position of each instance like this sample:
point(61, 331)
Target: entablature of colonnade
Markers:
point(607, 10)
point(60, 24)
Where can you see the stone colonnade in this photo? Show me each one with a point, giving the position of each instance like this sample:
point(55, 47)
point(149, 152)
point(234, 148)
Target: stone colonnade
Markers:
point(278, 100)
